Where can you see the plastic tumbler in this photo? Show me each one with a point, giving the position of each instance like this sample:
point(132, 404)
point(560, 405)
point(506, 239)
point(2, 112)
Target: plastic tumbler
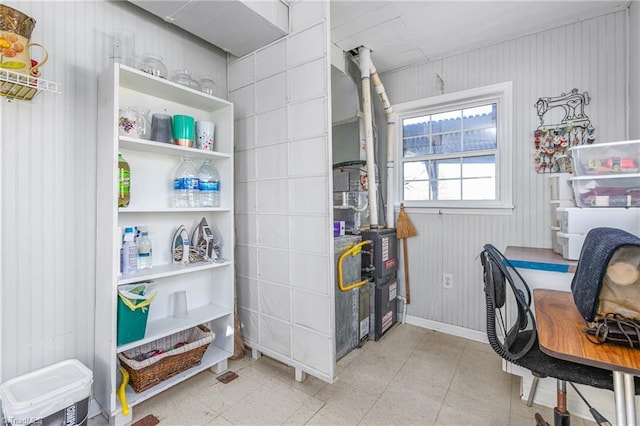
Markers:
point(180, 309)
point(161, 128)
point(183, 130)
point(205, 131)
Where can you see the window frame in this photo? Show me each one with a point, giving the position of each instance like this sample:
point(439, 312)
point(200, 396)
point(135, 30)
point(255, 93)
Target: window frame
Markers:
point(500, 94)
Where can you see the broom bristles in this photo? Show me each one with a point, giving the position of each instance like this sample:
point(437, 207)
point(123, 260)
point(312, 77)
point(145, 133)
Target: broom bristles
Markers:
point(405, 228)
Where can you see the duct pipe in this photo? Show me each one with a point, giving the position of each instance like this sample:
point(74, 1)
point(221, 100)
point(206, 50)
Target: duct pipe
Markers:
point(391, 122)
point(365, 74)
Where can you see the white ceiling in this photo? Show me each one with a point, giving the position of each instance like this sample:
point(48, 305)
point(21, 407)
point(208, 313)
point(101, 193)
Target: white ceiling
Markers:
point(401, 33)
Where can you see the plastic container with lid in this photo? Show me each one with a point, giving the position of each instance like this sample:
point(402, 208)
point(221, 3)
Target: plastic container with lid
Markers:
point(54, 395)
point(184, 78)
point(621, 190)
point(154, 65)
point(606, 158)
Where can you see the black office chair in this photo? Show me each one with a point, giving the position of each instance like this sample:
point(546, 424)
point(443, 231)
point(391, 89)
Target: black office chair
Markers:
point(511, 330)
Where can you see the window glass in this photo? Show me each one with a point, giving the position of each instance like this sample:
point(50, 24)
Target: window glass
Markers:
point(455, 149)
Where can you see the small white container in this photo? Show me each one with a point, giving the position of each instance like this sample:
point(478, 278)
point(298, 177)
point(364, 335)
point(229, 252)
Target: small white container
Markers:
point(606, 158)
point(621, 190)
point(555, 205)
point(560, 188)
point(556, 246)
point(574, 220)
point(571, 245)
point(54, 395)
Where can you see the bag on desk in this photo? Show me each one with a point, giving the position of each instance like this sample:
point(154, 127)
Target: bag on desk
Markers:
point(616, 329)
point(607, 279)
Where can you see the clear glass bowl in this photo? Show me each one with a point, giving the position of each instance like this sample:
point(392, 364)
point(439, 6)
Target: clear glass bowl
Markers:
point(184, 78)
point(152, 64)
point(208, 86)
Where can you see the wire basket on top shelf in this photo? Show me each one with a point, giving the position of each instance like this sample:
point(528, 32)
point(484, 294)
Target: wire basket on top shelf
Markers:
point(156, 361)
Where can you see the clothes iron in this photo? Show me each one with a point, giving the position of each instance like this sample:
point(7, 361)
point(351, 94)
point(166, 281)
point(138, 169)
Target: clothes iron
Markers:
point(202, 240)
point(180, 246)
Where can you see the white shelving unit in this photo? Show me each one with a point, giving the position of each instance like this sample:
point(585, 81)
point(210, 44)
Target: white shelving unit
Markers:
point(209, 286)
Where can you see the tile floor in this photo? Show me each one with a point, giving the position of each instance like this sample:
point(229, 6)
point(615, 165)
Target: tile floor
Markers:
point(411, 376)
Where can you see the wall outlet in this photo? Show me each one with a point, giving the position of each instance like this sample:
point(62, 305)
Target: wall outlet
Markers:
point(447, 280)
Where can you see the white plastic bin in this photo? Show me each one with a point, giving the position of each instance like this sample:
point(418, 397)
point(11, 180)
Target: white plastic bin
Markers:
point(606, 158)
point(54, 395)
point(571, 245)
point(574, 220)
point(555, 205)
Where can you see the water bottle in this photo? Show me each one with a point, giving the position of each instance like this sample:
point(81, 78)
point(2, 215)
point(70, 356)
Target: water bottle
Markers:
point(209, 183)
point(129, 253)
point(124, 183)
point(145, 255)
point(185, 185)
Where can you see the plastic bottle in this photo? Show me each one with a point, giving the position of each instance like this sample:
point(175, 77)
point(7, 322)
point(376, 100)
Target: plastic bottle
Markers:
point(129, 253)
point(185, 185)
point(145, 253)
point(209, 183)
point(124, 182)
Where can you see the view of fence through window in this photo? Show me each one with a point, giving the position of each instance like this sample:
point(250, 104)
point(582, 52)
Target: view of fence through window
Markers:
point(451, 155)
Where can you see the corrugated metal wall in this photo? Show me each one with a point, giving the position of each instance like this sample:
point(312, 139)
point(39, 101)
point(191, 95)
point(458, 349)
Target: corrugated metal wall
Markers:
point(48, 156)
point(590, 56)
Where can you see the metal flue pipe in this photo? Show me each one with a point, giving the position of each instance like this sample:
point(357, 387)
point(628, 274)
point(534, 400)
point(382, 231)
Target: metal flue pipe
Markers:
point(391, 123)
point(365, 74)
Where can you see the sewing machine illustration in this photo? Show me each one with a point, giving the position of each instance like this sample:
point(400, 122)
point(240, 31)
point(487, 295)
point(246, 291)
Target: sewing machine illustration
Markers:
point(572, 103)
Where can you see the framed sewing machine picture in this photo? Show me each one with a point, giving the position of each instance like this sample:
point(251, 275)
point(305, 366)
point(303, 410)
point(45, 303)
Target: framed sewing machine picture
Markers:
point(563, 124)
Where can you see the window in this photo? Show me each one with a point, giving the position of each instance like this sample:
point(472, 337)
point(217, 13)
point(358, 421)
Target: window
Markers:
point(455, 149)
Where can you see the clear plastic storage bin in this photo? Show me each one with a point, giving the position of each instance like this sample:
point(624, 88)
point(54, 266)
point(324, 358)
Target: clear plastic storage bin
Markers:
point(606, 158)
point(607, 190)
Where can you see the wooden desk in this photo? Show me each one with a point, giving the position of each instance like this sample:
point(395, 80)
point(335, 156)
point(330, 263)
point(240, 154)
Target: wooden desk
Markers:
point(560, 334)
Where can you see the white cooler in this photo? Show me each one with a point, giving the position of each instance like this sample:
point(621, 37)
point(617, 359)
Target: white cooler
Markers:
point(54, 395)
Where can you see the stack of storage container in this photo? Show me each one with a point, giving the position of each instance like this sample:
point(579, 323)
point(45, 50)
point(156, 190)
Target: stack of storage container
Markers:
point(561, 197)
point(606, 187)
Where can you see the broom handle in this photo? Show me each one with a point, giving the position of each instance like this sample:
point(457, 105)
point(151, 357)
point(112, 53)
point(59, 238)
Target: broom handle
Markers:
point(405, 259)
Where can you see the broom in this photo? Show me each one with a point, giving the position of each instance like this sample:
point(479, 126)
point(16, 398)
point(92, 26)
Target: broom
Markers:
point(404, 230)
point(238, 342)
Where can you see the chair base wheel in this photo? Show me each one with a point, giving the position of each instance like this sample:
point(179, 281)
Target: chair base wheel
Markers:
point(561, 419)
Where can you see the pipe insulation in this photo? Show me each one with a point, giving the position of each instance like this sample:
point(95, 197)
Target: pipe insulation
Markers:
point(391, 123)
point(372, 188)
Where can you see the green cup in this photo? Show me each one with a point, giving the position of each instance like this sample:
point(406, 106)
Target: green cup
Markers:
point(183, 130)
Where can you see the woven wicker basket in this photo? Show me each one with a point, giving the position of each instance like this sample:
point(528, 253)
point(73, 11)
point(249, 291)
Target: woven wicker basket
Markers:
point(151, 371)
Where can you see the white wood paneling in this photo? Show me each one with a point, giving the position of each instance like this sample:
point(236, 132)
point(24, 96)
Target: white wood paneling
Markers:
point(287, 199)
point(588, 55)
point(634, 70)
point(48, 155)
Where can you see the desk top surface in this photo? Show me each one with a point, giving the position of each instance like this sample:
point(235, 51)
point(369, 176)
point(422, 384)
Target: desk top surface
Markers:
point(539, 258)
point(561, 335)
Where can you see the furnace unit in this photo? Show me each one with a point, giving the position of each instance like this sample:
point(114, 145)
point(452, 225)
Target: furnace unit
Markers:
point(380, 266)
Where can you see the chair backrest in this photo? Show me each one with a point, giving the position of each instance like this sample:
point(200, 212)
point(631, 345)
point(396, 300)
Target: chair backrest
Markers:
point(511, 325)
